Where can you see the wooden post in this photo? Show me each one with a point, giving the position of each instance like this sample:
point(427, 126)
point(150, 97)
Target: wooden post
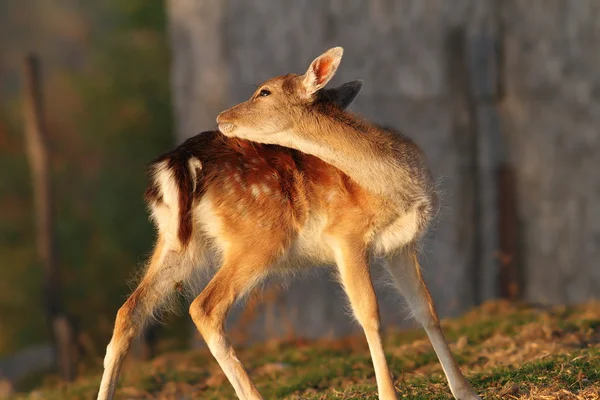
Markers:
point(37, 152)
point(508, 232)
point(486, 83)
point(466, 138)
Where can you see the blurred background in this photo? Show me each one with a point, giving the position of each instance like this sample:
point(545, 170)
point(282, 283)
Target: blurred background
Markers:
point(503, 95)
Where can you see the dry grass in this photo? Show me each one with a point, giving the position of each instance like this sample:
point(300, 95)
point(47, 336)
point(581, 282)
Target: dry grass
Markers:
point(507, 351)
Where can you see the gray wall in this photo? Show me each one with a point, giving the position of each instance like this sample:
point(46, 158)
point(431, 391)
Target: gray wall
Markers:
point(482, 85)
point(552, 126)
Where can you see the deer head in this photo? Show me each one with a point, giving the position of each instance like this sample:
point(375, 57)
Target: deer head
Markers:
point(279, 103)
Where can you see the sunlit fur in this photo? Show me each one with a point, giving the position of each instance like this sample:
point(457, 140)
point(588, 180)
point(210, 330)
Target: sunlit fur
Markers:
point(246, 192)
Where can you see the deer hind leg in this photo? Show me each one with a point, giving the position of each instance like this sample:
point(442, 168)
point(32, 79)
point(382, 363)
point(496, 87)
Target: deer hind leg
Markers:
point(237, 276)
point(352, 261)
point(166, 271)
point(406, 273)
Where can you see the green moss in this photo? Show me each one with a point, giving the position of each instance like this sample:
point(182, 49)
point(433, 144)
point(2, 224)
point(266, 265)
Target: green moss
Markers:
point(343, 370)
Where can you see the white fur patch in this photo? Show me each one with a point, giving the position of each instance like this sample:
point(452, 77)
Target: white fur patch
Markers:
point(399, 233)
point(194, 165)
point(166, 214)
point(210, 223)
point(255, 190)
point(265, 188)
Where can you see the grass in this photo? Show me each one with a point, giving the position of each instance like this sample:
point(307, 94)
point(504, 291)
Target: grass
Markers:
point(507, 351)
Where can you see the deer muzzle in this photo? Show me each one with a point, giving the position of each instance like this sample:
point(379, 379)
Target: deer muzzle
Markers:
point(224, 125)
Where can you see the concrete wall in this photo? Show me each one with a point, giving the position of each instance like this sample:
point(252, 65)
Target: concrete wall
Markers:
point(551, 117)
point(482, 85)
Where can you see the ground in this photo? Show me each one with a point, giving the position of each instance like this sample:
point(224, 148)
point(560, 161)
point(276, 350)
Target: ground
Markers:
point(507, 351)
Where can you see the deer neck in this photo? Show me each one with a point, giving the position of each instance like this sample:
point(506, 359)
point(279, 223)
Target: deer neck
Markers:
point(361, 150)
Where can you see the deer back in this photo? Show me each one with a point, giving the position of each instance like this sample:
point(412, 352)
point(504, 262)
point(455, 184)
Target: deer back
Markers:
point(256, 193)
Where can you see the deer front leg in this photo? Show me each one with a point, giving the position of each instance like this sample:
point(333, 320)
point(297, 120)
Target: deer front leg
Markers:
point(209, 311)
point(352, 261)
point(406, 272)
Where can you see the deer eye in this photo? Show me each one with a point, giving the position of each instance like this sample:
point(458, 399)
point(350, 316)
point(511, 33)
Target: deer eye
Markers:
point(264, 93)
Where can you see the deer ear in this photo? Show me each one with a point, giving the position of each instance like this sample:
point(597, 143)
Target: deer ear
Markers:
point(322, 69)
point(344, 94)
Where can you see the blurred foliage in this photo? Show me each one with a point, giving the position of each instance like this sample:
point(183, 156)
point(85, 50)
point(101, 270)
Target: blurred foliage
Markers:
point(107, 118)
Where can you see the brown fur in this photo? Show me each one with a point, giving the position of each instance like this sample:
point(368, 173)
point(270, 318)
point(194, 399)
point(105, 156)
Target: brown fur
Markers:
point(296, 183)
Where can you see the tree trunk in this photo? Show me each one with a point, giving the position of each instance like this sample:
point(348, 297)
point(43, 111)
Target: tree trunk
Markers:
point(37, 152)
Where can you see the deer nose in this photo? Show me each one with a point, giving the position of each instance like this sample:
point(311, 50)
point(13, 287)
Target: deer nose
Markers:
point(224, 126)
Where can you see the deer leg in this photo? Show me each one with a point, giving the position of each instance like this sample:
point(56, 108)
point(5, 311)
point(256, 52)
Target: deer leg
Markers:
point(352, 261)
point(406, 272)
point(166, 269)
point(209, 310)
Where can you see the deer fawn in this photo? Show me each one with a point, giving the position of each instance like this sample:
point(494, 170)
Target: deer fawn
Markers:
point(381, 205)
point(354, 191)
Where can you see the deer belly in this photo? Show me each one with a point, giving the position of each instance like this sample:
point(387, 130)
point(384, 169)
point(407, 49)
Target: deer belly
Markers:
point(309, 246)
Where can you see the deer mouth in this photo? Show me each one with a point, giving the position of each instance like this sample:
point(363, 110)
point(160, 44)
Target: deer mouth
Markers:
point(226, 127)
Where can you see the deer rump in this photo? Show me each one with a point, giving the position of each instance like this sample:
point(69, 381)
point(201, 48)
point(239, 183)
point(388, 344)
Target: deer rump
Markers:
point(214, 192)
